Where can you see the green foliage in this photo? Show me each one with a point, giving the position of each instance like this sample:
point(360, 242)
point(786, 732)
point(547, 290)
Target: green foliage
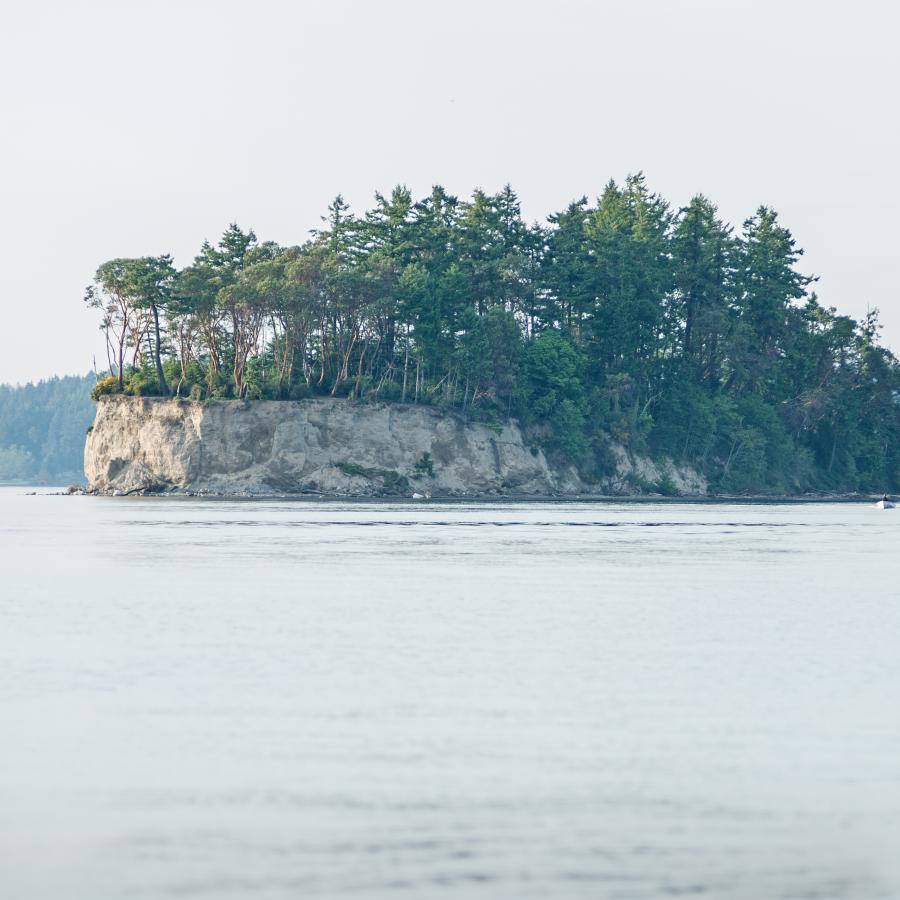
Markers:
point(639, 483)
point(104, 386)
point(620, 321)
point(392, 481)
point(553, 392)
point(142, 381)
point(42, 429)
point(491, 354)
point(354, 469)
point(425, 466)
point(665, 486)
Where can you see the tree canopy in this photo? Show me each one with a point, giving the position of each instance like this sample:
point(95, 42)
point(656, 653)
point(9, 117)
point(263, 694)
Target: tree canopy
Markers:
point(622, 319)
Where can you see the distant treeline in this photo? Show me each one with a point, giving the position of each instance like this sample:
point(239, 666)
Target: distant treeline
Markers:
point(619, 320)
point(42, 429)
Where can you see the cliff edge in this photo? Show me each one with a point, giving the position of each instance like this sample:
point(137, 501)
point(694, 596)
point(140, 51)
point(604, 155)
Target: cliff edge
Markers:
point(330, 446)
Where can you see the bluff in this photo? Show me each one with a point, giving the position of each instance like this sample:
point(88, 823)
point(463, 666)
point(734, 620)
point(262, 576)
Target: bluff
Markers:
point(332, 446)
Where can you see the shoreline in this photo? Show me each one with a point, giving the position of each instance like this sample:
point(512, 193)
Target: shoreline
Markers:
point(315, 496)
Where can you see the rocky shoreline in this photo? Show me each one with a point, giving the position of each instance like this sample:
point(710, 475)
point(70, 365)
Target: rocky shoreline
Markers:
point(636, 498)
point(331, 447)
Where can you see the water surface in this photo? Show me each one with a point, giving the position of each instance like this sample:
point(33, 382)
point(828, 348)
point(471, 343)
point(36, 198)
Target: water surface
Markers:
point(220, 699)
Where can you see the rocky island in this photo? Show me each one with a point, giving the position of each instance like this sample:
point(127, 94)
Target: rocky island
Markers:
point(446, 347)
point(335, 447)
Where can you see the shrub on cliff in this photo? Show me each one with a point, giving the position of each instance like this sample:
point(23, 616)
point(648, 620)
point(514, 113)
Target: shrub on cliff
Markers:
point(105, 386)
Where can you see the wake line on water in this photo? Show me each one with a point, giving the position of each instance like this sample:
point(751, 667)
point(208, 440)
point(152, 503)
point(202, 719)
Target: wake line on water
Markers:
point(464, 524)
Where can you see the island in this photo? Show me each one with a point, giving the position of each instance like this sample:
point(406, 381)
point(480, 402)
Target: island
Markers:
point(446, 347)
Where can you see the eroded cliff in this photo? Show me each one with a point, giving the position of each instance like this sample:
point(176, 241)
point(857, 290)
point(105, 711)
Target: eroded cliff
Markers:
point(332, 447)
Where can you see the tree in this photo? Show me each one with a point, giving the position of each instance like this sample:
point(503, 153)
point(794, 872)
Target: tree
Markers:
point(554, 393)
point(150, 280)
point(768, 285)
point(703, 254)
point(199, 290)
point(491, 358)
point(112, 293)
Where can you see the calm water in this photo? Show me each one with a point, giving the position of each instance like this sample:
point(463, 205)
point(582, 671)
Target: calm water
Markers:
point(300, 700)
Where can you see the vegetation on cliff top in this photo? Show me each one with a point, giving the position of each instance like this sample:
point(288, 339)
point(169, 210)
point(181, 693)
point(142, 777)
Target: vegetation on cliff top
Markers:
point(623, 319)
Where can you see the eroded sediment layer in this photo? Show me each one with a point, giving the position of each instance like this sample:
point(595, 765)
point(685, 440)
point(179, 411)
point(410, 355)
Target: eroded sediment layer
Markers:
point(327, 446)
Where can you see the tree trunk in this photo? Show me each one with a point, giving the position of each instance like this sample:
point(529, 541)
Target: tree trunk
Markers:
point(405, 368)
point(121, 373)
point(163, 387)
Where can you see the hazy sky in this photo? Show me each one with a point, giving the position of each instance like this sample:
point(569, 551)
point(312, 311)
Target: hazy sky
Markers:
point(131, 128)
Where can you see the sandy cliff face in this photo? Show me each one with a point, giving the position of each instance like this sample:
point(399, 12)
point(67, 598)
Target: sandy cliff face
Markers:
point(327, 446)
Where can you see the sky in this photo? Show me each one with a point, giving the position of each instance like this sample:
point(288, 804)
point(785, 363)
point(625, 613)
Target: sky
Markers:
point(135, 128)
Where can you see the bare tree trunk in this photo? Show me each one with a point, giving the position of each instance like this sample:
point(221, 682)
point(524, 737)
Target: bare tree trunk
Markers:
point(163, 387)
point(344, 372)
point(121, 373)
point(110, 351)
point(735, 449)
point(323, 350)
point(405, 367)
point(359, 369)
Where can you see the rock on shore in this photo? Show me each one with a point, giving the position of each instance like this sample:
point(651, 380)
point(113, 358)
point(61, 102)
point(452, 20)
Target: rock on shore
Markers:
point(329, 446)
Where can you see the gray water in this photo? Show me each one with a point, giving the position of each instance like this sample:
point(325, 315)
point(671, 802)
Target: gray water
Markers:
point(225, 700)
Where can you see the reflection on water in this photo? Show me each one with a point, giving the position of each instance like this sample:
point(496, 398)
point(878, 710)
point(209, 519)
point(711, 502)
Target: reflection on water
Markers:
point(315, 699)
